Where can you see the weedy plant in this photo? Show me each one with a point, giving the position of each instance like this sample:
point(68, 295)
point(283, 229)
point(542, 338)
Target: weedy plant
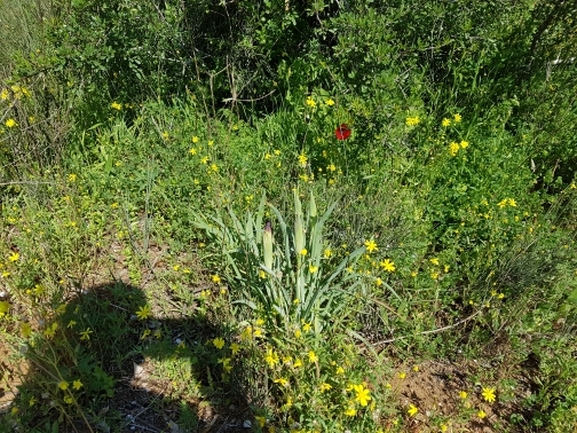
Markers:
point(293, 281)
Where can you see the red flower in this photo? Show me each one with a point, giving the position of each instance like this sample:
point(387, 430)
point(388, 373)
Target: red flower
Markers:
point(343, 132)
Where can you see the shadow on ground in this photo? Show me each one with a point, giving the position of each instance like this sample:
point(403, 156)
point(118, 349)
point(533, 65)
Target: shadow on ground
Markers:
point(153, 374)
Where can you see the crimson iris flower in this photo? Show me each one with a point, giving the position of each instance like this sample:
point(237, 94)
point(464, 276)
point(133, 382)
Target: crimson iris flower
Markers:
point(343, 132)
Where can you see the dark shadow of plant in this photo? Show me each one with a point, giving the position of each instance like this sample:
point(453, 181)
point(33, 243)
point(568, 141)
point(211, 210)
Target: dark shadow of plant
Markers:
point(104, 363)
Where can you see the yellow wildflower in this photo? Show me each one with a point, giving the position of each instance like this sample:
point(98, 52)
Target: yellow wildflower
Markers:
point(282, 382)
point(351, 411)
point(77, 384)
point(85, 335)
point(488, 394)
point(271, 358)
point(457, 118)
point(63, 385)
point(412, 121)
point(413, 410)
point(446, 122)
point(312, 356)
point(371, 245)
point(362, 394)
point(388, 265)
point(454, 148)
point(116, 106)
point(311, 102)
point(143, 312)
point(218, 343)
point(11, 123)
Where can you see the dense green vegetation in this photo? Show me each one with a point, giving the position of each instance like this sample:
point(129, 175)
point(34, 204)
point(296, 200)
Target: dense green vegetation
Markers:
point(317, 216)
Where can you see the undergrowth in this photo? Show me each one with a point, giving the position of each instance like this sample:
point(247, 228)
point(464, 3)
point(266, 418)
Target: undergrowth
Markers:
point(301, 231)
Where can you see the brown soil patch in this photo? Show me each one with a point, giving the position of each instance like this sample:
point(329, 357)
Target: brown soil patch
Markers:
point(434, 387)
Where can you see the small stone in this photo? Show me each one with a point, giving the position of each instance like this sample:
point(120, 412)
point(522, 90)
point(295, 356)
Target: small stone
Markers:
point(247, 424)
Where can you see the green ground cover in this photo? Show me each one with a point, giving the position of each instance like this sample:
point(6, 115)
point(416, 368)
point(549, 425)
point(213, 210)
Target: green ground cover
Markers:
point(320, 216)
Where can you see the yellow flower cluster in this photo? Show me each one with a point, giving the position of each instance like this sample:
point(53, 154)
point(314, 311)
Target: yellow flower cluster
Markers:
point(412, 121)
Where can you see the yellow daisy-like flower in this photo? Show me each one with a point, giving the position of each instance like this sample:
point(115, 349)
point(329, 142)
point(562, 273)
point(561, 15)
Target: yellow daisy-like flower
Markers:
point(325, 387)
point(327, 253)
point(330, 102)
point(282, 381)
point(195, 139)
point(14, 257)
point(115, 105)
point(362, 394)
point(218, 343)
point(488, 394)
point(143, 312)
point(371, 246)
point(413, 410)
point(311, 102)
point(464, 144)
point(457, 118)
point(215, 279)
point(77, 384)
point(271, 358)
point(302, 160)
point(303, 252)
point(446, 122)
point(11, 123)
point(388, 265)
point(63, 385)
point(312, 356)
point(463, 394)
point(454, 148)
point(502, 203)
point(481, 414)
point(235, 348)
point(313, 269)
